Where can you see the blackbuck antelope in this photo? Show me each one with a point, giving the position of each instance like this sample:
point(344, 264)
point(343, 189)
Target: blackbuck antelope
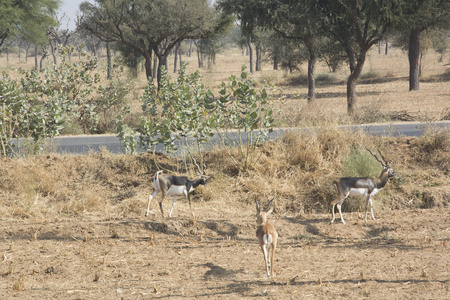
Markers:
point(267, 235)
point(173, 186)
point(359, 186)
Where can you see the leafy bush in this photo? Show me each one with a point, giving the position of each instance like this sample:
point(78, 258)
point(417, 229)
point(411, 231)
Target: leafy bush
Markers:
point(25, 115)
point(179, 110)
point(40, 104)
point(184, 109)
point(243, 111)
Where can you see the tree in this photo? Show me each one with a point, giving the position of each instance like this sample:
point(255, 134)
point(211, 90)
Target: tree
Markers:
point(246, 13)
point(215, 42)
point(148, 26)
point(421, 15)
point(285, 53)
point(296, 20)
point(358, 25)
point(27, 20)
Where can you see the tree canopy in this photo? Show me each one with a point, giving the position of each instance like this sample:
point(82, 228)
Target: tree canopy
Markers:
point(149, 26)
point(27, 20)
point(358, 25)
point(420, 16)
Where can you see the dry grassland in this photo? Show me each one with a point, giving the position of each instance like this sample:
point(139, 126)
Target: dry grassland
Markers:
point(73, 227)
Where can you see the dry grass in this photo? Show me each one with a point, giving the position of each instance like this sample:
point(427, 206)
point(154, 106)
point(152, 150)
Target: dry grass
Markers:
point(297, 170)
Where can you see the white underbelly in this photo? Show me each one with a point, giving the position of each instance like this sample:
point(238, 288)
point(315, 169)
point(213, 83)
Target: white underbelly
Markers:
point(362, 192)
point(357, 192)
point(177, 190)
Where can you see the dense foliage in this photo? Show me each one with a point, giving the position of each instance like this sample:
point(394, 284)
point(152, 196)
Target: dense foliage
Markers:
point(184, 109)
point(28, 20)
point(40, 105)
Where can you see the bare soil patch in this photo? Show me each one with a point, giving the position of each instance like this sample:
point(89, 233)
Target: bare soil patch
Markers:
point(402, 255)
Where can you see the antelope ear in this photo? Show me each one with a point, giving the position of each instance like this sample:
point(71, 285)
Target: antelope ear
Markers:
point(258, 210)
point(269, 211)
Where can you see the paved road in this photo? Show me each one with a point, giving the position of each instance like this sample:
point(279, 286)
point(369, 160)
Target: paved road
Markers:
point(86, 144)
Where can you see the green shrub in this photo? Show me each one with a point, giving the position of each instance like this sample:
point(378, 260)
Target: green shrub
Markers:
point(360, 163)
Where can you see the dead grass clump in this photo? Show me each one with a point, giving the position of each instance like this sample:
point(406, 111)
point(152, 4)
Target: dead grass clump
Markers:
point(19, 285)
point(446, 114)
point(303, 150)
point(321, 148)
point(220, 161)
point(295, 111)
point(371, 74)
point(297, 170)
point(130, 207)
point(435, 139)
point(273, 160)
point(434, 148)
point(373, 115)
point(294, 79)
point(326, 78)
point(436, 197)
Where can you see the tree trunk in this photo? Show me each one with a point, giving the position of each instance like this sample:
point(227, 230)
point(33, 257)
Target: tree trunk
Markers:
point(53, 51)
point(35, 58)
point(250, 51)
point(190, 47)
point(351, 58)
point(209, 57)
point(175, 59)
point(387, 48)
point(148, 65)
point(258, 58)
point(413, 56)
point(41, 63)
point(199, 57)
point(155, 66)
point(351, 83)
point(420, 64)
point(311, 67)
point(108, 59)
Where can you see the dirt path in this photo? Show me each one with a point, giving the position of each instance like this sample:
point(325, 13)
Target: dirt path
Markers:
point(402, 255)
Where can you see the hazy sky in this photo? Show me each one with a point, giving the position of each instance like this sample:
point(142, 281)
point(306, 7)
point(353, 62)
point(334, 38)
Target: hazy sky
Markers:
point(70, 8)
